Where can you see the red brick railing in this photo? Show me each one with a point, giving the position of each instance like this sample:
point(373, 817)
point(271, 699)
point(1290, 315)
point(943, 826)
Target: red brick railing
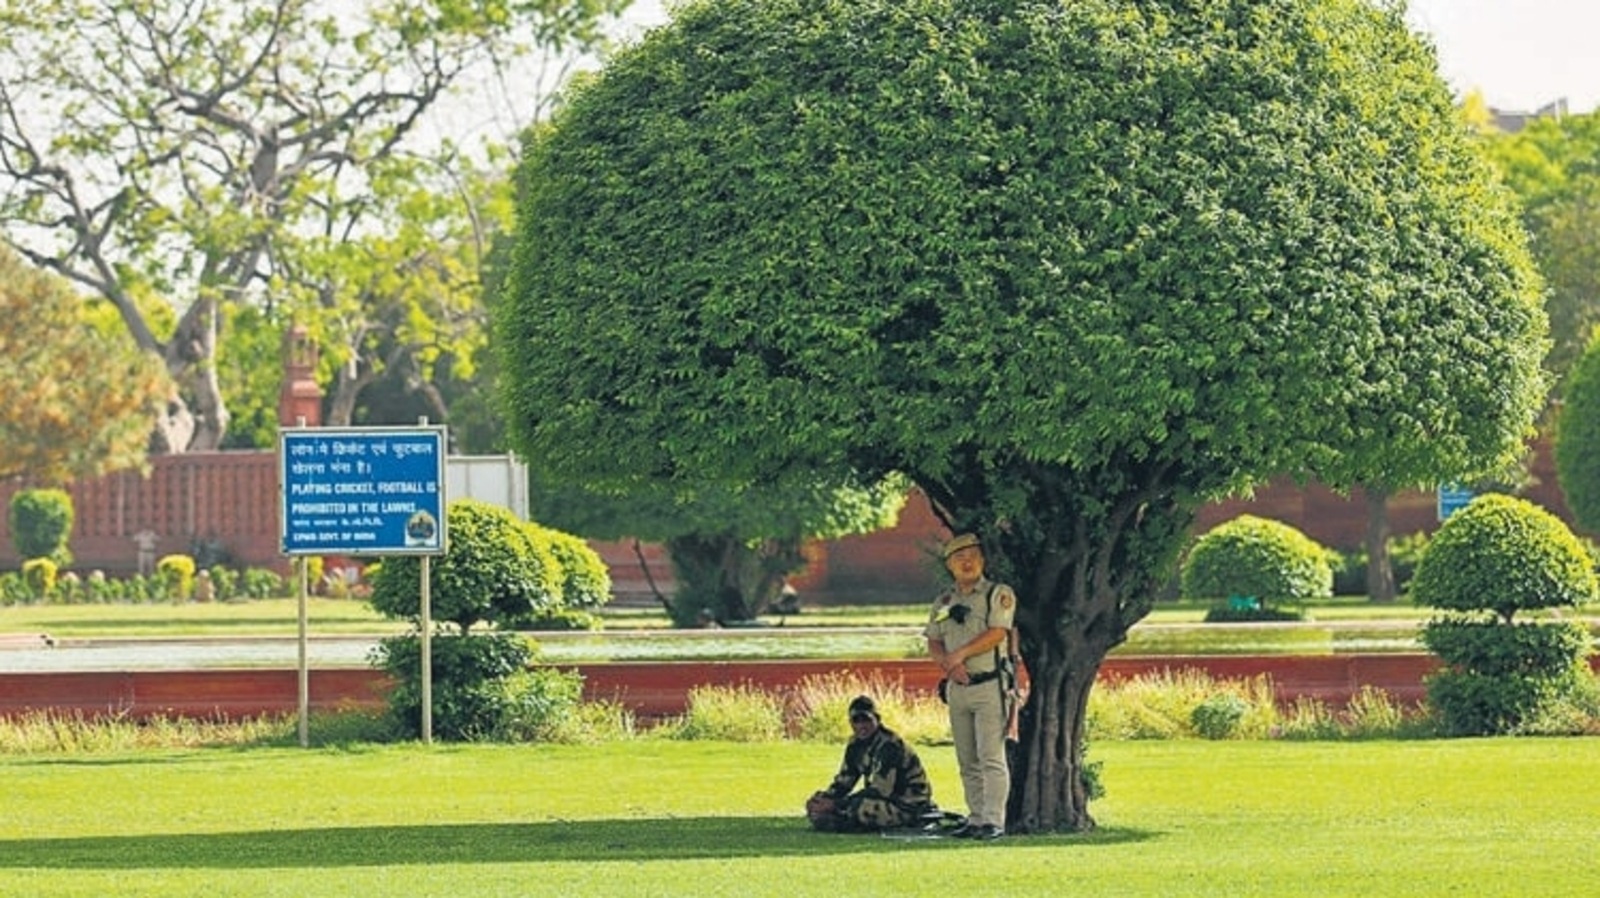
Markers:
point(650, 689)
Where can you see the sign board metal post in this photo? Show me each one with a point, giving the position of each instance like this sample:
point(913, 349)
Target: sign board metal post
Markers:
point(364, 491)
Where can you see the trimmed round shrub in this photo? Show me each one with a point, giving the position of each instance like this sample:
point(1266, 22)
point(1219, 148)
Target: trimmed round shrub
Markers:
point(1498, 556)
point(1251, 557)
point(1503, 554)
point(41, 524)
point(493, 570)
point(585, 579)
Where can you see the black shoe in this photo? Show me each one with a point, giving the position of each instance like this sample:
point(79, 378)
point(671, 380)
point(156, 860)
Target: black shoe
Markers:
point(987, 833)
point(964, 831)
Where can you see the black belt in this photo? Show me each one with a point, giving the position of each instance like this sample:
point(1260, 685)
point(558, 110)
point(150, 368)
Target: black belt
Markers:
point(986, 676)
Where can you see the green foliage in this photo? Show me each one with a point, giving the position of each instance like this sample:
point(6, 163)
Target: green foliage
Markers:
point(1577, 438)
point(260, 583)
point(224, 582)
point(1550, 166)
point(493, 570)
point(536, 705)
point(730, 714)
point(561, 619)
point(1257, 558)
point(479, 692)
point(1350, 567)
point(1164, 706)
point(819, 706)
point(176, 573)
point(1496, 557)
point(41, 524)
point(585, 579)
point(1494, 648)
point(1245, 610)
point(731, 546)
point(1405, 554)
point(1504, 555)
point(1072, 269)
point(1218, 716)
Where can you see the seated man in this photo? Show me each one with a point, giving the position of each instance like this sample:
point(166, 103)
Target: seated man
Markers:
point(895, 789)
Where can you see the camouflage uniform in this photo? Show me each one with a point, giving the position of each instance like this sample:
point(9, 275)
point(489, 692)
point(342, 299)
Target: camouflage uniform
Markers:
point(895, 789)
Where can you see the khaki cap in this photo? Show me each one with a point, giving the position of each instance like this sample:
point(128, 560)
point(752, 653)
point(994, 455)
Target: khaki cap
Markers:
point(958, 542)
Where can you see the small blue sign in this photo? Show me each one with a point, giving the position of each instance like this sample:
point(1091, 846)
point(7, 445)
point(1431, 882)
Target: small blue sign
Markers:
point(362, 491)
point(1453, 498)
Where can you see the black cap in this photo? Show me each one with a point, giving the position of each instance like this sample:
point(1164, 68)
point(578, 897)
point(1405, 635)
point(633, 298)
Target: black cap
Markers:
point(863, 705)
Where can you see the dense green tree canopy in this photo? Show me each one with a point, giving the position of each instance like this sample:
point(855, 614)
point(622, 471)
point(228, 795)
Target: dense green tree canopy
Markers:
point(1070, 267)
point(1577, 445)
point(1551, 165)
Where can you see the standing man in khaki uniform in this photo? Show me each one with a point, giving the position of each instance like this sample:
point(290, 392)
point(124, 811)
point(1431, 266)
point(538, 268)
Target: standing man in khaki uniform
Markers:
point(967, 632)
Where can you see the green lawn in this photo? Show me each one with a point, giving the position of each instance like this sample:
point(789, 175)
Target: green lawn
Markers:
point(1392, 819)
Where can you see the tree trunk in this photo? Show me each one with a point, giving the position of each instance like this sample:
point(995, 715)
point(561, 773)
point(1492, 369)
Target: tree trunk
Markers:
point(346, 391)
point(195, 419)
point(1380, 572)
point(736, 581)
point(1047, 779)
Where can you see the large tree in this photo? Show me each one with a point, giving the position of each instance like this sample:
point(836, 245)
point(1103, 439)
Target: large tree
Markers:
point(78, 397)
point(1072, 268)
point(207, 152)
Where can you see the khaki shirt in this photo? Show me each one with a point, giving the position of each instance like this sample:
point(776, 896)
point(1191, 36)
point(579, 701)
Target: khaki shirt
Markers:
point(986, 611)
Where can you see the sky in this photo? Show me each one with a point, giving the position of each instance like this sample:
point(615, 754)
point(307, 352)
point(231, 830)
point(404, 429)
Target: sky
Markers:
point(1521, 54)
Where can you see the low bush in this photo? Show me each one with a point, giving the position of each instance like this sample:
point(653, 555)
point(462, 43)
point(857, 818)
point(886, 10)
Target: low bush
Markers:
point(1218, 716)
point(480, 691)
point(1163, 706)
point(819, 709)
point(729, 714)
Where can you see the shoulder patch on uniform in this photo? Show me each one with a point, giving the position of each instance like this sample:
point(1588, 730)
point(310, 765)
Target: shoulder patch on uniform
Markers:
point(1005, 600)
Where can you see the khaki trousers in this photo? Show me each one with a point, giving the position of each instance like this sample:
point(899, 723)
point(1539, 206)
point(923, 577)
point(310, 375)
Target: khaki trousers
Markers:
point(978, 725)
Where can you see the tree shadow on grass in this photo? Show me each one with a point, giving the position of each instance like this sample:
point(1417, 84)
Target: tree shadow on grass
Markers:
point(487, 843)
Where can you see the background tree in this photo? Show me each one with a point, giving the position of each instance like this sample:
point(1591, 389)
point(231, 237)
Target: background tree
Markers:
point(1070, 268)
point(1553, 165)
point(1577, 441)
point(210, 152)
point(78, 398)
point(731, 548)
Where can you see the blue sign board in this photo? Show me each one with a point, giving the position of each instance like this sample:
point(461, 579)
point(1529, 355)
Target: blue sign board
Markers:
point(1453, 498)
point(362, 491)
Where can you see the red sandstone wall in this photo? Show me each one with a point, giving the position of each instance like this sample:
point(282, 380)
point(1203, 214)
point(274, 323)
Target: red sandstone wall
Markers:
point(232, 498)
point(227, 497)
